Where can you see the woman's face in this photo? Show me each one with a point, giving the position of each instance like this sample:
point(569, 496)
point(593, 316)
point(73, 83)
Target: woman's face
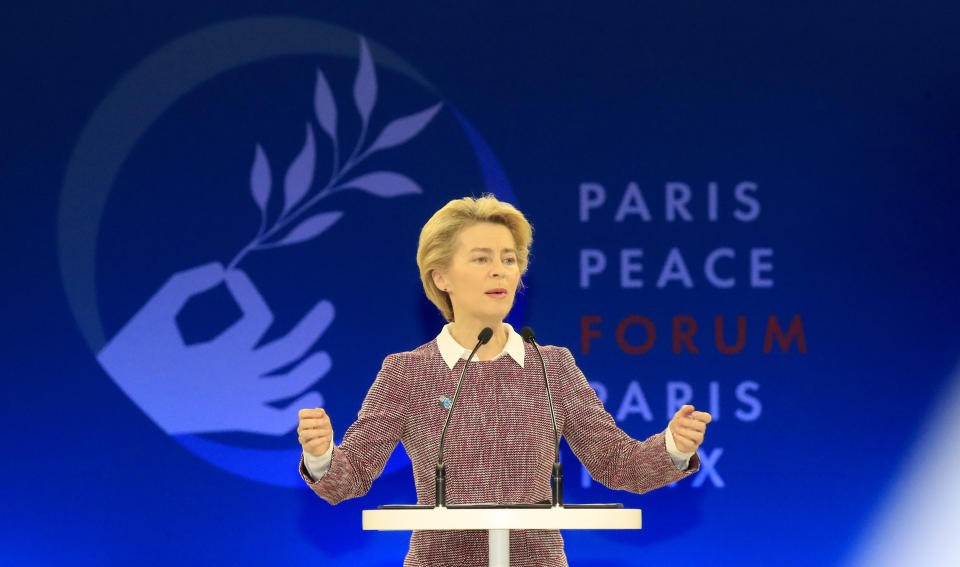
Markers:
point(482, 277)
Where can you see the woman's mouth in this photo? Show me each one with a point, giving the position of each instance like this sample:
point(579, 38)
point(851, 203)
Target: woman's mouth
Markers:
point(497, 293)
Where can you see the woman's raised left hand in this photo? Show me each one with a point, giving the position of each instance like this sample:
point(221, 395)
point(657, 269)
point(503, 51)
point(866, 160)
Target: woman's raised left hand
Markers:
point(688, 427)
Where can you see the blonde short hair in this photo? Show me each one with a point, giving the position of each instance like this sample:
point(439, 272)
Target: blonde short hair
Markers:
point(439, 239)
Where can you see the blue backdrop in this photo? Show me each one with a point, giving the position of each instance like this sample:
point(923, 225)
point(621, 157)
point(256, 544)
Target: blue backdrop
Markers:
point(211, 214)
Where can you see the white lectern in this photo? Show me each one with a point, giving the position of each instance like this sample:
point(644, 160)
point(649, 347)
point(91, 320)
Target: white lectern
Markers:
point(498, 521)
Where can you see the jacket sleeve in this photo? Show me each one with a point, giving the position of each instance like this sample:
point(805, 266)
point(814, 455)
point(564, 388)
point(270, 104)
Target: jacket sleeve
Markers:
point(611, 456)
point(369, 442)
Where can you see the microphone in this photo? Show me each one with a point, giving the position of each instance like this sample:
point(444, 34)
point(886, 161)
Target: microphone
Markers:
point(441, 479)
point(556, 477)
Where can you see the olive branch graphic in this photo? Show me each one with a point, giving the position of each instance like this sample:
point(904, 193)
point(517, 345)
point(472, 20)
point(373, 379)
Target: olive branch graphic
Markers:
point(299, 177)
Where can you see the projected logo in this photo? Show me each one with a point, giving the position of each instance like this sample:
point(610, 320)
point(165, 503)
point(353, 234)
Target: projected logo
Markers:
point(239, 379)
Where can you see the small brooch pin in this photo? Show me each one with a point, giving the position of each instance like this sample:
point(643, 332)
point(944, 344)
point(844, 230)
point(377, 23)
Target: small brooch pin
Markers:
point(445, 402)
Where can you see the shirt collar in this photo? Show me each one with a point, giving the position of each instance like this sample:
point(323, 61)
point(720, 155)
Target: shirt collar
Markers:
point(452, 351)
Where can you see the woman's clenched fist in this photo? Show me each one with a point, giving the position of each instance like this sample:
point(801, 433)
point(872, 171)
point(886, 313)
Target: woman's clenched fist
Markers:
point(688, 428)
point(315, 431)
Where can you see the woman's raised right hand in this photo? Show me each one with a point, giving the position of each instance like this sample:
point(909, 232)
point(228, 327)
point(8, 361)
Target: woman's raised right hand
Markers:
point(315, 431)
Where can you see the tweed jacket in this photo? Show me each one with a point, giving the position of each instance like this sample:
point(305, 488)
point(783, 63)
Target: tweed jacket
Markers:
point(499, 445)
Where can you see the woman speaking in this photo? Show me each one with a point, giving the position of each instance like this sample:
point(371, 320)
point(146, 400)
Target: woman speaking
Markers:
point(499, 447)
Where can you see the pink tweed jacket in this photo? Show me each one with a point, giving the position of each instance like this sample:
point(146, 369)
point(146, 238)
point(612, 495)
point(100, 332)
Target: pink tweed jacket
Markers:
point(499, 446)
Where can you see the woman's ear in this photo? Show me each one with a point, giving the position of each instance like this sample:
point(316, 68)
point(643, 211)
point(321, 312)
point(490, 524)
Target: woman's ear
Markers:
point(439, 280)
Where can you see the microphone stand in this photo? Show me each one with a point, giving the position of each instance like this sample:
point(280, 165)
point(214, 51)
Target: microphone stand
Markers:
point(441, 476)
point(556, 477)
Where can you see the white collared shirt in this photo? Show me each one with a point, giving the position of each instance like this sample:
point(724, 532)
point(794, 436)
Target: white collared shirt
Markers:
point(451, 351)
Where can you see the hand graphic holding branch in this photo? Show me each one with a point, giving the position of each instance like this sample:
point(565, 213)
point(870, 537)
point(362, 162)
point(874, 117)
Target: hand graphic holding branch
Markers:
point(223, 384)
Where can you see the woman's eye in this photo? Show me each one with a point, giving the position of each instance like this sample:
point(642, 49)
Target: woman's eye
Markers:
point(480, 259)
point(509, 260)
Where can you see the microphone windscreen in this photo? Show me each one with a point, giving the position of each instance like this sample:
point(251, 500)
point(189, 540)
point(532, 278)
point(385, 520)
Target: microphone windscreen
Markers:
point(527, 334)
point(485, 335)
